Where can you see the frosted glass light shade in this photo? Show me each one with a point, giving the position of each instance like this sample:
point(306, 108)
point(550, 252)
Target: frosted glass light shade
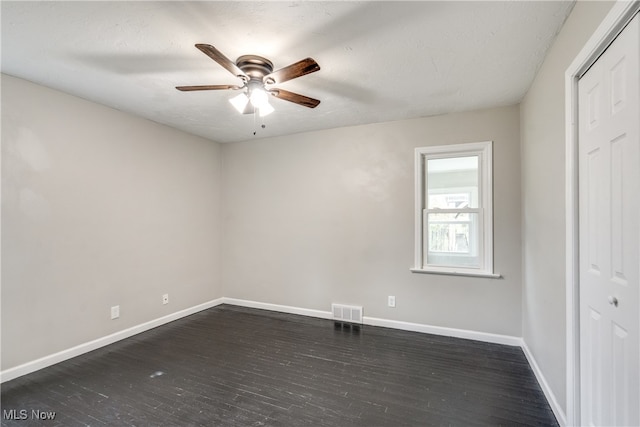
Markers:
point(240, 102)
point(259, 98)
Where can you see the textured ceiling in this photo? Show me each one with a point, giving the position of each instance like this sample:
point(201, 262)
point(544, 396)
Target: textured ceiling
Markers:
point(380, 61)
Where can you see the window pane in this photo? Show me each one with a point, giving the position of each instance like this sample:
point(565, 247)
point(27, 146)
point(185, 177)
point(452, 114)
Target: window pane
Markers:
point(452, 183)
point(452, 239)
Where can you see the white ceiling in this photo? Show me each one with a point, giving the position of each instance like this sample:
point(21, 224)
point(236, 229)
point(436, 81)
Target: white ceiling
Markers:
point(380, 61)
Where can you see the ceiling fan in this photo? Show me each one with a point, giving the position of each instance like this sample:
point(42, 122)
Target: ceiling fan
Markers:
point(257, 76)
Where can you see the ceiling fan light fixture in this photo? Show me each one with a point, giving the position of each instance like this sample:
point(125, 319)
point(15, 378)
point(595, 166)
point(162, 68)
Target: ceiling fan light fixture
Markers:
point(258, 97)
point(239, 102)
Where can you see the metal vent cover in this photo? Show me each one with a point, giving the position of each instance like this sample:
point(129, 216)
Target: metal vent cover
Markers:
point(347, 313)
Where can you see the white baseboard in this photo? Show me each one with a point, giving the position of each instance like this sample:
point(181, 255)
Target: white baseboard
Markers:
point(276, 307)
point(551, 397)
point(63, 355)
point(448, 332)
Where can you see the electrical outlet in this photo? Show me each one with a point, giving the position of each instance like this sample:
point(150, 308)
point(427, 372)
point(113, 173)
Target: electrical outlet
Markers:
point(115, 312)
point(391, 301)
point(165, 299)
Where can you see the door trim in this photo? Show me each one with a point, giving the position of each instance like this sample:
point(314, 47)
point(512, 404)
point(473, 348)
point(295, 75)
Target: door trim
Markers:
point(621, 13)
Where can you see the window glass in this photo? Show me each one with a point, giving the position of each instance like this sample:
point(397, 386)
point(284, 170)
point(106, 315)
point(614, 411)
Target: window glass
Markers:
point(452, 239)
point(446, 178)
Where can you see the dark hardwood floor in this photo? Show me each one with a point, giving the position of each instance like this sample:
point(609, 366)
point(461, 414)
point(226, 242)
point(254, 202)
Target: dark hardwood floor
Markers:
point(233, 366)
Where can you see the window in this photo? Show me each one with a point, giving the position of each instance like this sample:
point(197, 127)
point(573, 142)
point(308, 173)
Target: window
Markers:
point(454, 210)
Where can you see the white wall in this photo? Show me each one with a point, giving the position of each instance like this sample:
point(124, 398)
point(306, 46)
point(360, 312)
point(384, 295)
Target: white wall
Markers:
point(543, 198)
point(327, 216)
point(99, 208)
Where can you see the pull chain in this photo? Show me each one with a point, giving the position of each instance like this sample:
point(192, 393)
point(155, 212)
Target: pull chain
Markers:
point(255, 131)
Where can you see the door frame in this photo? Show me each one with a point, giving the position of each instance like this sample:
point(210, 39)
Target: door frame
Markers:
point(621, 13)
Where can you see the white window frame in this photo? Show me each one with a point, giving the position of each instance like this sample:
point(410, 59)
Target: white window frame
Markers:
point(485, 207)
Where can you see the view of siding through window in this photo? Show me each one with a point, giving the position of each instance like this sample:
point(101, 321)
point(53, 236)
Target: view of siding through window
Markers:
point(452, 211)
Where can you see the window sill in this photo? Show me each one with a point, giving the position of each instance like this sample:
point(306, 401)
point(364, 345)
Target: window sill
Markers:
point(457, 273)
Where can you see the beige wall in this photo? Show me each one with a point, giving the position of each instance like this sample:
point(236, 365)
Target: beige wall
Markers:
point(543, 198)
point(99, 208)
point(327, 216)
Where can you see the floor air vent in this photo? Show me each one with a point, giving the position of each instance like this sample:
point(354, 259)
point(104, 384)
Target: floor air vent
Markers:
point(347, 313)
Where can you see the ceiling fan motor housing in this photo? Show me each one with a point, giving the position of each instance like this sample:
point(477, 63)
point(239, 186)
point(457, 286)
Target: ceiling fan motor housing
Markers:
point(256, 67)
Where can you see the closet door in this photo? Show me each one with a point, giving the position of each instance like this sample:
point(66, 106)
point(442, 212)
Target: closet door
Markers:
point(609, 193)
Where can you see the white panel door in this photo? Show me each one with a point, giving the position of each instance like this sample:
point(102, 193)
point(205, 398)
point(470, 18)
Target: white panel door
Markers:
point(609, 193)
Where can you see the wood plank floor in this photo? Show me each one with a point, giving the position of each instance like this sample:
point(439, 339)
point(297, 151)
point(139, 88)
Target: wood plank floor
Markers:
point(234, 366)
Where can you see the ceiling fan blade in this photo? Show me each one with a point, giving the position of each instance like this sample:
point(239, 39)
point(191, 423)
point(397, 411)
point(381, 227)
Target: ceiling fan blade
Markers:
point(299, 69)
point(294, 97)
point(207, 87)
point(219, 57)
